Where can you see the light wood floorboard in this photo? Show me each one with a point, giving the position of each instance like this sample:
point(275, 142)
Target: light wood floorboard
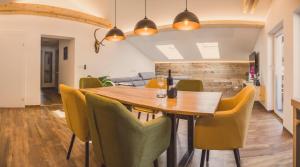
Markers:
point(35, 137)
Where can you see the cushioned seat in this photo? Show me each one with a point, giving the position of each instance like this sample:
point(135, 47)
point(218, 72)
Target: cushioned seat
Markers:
point(119, 139)
point(227, 130)
point(89, 82)
point(75, 109)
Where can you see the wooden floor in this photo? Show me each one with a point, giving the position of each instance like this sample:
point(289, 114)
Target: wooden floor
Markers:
point(35, 137)
point(50, 96)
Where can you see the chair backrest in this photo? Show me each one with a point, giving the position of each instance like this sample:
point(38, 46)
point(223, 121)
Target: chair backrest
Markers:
point(153, 83)
point(89, 82)
point(243, 110)
point(74, 105)
point(118, 137)
point(190, 85)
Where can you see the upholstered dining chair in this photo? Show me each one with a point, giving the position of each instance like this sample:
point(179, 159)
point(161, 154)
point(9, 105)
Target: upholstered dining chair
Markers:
point(120, 139)
point(227, 130)
point(75, 109)
point(152, 83)
point(89, 82)
point(188, 85)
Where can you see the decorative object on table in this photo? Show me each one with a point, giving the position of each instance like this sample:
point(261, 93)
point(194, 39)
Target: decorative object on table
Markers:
point(106, 82)
point(171, 89)
point(66, 53)
point(115, 34)
point(97, 42)
point(145, 26)
point(186, 20)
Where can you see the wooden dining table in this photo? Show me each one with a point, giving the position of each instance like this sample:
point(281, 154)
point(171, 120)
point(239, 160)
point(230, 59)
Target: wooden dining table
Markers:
point(188, 105)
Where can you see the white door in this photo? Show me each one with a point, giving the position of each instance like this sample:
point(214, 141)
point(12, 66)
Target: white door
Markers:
point(48, 67)
point(278, 72)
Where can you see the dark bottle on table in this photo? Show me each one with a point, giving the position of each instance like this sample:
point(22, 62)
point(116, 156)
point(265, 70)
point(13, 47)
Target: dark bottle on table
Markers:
point(171, 90)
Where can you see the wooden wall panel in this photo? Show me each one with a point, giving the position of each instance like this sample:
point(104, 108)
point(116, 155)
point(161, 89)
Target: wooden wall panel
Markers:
point(216, 76)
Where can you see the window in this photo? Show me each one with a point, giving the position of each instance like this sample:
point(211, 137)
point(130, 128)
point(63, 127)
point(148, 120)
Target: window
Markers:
point(209, 50)
point(169, 51)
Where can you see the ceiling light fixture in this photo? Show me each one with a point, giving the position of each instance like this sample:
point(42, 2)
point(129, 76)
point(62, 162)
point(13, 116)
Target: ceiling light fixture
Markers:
point(145, 26)
point(115, 34)
point(186, 20)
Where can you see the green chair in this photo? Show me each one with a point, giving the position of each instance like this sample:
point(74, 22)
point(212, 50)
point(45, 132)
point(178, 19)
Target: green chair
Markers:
point(120, 139)
point(189, 85)
point(89, 82)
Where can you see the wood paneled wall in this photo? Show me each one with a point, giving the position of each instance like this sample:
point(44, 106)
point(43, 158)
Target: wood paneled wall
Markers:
point(216, 76)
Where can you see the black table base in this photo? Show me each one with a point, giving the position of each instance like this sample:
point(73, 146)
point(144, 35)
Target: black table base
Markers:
point(172, 150)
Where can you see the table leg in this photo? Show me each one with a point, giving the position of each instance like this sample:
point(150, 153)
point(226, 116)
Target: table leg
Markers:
point(172, 150)
point(189, 154)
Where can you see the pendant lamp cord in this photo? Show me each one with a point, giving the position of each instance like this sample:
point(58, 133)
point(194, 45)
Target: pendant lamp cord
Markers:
point(185, 4)
point(145, 9)
point(115, 13)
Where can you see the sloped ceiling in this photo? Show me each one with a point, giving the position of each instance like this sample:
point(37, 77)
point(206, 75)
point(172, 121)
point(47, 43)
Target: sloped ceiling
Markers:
point(234, 43)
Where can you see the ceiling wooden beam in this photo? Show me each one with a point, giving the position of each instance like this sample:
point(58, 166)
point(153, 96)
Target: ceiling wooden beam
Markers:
point(216, 24)
point(51, 11)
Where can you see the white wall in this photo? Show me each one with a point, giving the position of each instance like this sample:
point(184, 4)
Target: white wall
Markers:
point(297, 56)
point(115, 59)
point(281, 11)
point(66, 67)
point(12, 69)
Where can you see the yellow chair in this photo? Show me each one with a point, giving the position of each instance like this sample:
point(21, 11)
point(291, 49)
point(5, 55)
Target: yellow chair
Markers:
point(89, 82)
point(152, 83)
point(227, 130)
point(74, 105)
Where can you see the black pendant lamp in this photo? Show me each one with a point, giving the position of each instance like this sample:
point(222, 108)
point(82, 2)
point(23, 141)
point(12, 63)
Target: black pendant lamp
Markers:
point(145, 26)
point(186, 20)
point(115, 34)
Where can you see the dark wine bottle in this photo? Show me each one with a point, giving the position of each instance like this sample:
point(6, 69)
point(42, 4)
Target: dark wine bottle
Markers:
point(171, 90)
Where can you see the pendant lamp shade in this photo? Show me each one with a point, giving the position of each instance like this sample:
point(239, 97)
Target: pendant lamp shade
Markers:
point(186, 20)
point(145, 26)
point(115, 34)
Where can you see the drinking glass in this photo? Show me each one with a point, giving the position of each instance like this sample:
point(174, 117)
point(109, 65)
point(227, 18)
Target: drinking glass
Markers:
point(161, 82)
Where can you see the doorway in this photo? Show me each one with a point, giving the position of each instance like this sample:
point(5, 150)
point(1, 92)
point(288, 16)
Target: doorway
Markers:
point(49, 71)
point(278, 72)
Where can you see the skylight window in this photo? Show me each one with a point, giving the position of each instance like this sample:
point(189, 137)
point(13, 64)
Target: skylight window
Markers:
point(209, 50)
point(170, 51)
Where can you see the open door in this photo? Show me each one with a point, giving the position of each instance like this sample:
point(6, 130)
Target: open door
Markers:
point(48, 67)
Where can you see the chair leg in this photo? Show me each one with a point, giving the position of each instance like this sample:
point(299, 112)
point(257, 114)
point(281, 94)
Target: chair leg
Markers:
point(202, 158)
point(177, 124)
point(153, 116)
point(155, 163)
point(237, 157)
point(207, 155)
point(147, 117)
point(71, 146)
point(87, 154)
point(139, 115)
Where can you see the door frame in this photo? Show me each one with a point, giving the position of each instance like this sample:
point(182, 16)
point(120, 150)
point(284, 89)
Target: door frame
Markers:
point(278, 33)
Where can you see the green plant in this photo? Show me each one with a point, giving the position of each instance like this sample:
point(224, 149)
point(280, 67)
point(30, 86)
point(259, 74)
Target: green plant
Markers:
point(106, 82)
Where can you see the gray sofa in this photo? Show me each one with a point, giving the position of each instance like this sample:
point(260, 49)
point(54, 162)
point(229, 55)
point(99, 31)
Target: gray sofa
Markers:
point(138, 81)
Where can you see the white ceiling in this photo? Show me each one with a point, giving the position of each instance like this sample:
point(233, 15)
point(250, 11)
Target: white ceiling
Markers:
point(234, 43)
